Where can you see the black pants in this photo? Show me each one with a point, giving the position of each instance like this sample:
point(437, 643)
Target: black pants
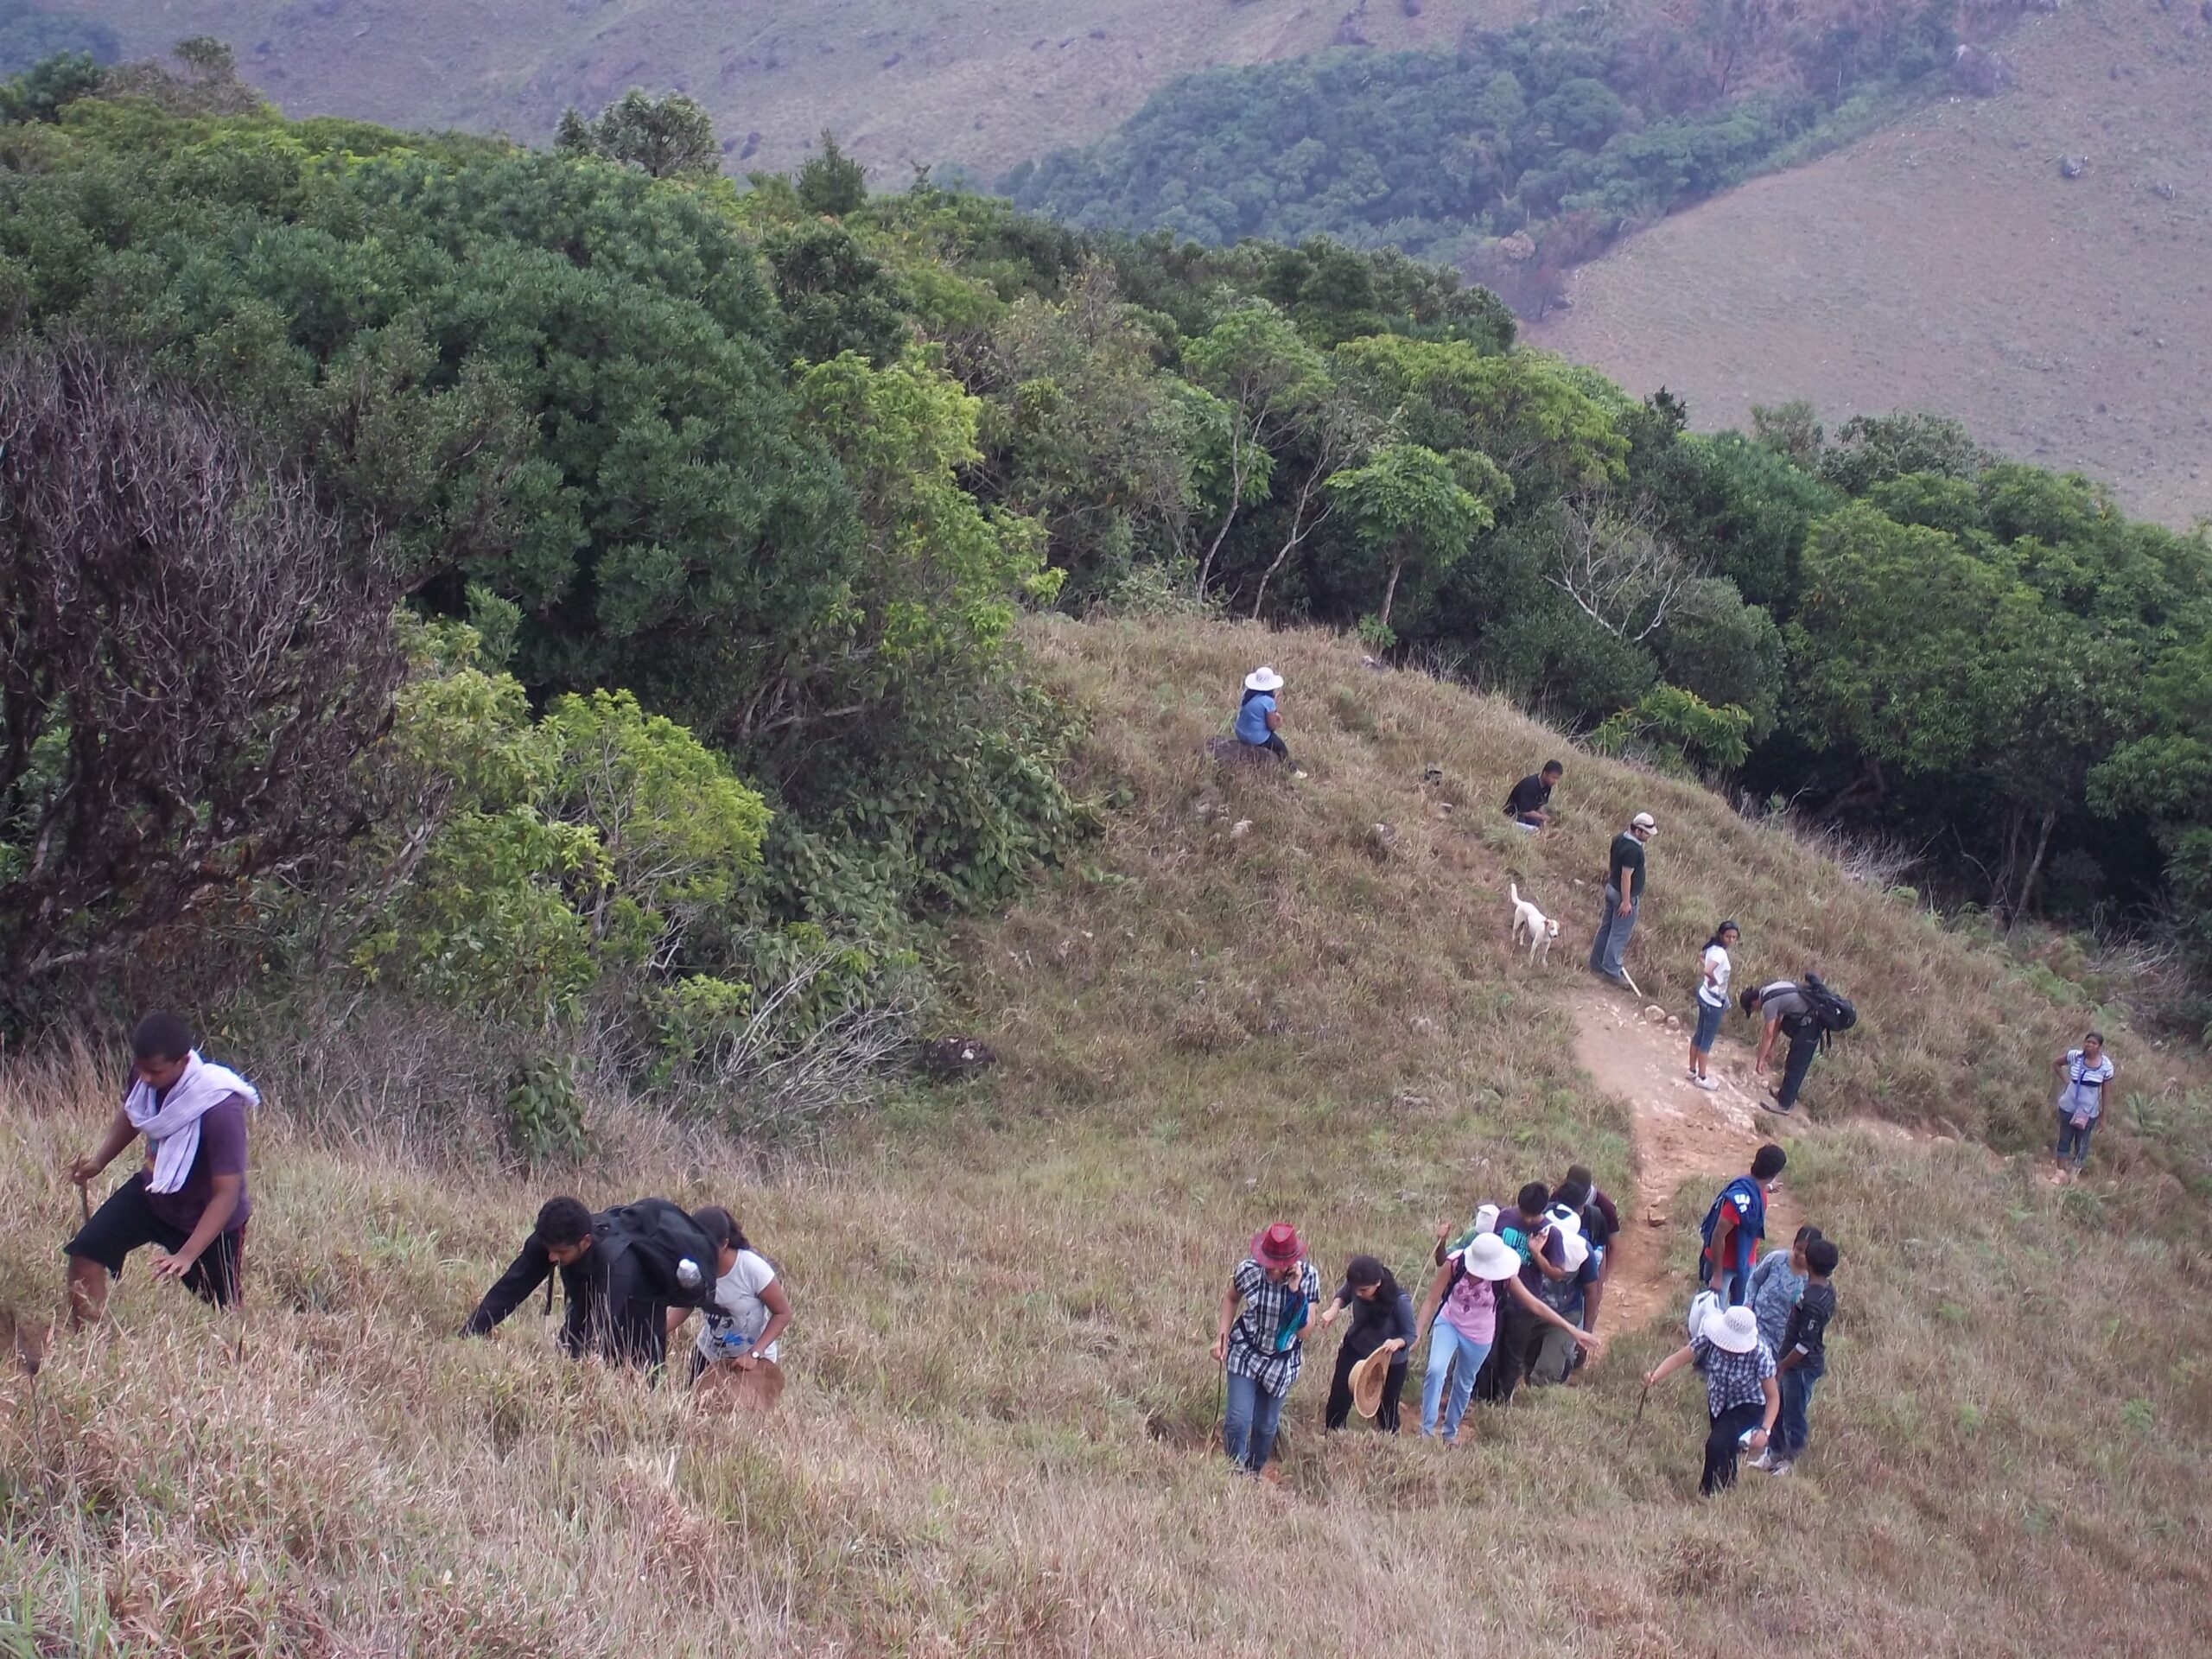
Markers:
point(1722, 1444)
point(1804, 1044)
point(1510, 1353)
point(127, 1223)
point(1337, 1412)
point(1276, 746)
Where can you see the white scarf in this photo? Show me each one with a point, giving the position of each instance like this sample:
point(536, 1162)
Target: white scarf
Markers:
point(172, 1125)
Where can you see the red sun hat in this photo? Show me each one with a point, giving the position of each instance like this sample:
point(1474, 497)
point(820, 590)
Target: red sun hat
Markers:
point(1278, 1246)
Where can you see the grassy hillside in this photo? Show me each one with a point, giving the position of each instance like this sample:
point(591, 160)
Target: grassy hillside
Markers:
point(995, 1438)
point(1944, 264)
point(982, 82)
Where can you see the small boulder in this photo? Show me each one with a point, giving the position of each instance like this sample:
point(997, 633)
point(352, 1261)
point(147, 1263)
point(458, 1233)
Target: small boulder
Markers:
point(1240, 828)
point(2073, 167)
point(1656, 1015)
point(1674, 1022)
point(950, 1058)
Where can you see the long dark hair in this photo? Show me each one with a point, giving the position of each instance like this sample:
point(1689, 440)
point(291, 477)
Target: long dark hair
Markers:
point(720, 1228)
point(1363, 1270)
point(1717, 933)
point(1252, 691)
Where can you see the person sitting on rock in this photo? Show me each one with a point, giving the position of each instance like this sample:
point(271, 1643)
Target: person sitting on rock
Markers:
point(1259, 720)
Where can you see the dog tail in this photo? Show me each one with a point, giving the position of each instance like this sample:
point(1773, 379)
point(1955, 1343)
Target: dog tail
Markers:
point(1515, 891)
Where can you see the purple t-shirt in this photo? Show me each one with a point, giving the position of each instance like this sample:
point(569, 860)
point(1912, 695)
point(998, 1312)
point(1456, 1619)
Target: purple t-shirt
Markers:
point(222, 1152)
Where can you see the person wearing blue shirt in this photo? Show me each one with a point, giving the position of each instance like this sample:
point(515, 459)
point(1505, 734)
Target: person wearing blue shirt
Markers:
point(1259, 721)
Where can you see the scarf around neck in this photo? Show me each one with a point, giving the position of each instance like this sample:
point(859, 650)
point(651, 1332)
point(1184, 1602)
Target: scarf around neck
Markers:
point(171, 1125)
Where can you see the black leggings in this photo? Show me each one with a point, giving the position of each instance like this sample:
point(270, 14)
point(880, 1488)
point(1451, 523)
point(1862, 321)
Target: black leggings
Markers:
point(1722, 1444)
point(1274, 746)
point(1337, 1412)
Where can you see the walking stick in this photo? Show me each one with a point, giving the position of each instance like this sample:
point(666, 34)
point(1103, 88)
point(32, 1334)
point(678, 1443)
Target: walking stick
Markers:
point(1636, 1427)
point(83, 1201)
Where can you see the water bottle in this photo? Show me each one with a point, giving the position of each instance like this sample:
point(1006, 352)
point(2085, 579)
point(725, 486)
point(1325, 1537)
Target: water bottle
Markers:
point(688, 1273)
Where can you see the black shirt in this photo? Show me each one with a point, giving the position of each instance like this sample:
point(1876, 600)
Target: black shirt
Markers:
point(1374, 1323)
point(606, 1305)
point(1808, 1328)
point(1628, 859)
point(1529, 795)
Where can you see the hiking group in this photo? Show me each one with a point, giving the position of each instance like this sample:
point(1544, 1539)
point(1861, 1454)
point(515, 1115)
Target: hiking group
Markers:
point(1514, 1297)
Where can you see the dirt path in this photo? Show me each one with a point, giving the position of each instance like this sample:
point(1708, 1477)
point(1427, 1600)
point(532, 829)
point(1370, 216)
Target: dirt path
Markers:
point(1681, 1132)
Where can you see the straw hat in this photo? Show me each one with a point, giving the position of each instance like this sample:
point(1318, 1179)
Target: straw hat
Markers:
point(1264, 678)
point(1491, 1257)
point(1737, 1330)
point(729, 1389)
point(1278, 1246)
point(1367, 1379)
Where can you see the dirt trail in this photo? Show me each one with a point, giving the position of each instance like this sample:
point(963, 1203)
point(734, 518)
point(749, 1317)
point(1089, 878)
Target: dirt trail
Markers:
point(1681, 1132)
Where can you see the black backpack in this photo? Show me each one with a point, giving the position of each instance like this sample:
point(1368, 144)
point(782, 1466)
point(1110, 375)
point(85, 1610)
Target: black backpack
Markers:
point(1827, 1010)
point(678, 1258)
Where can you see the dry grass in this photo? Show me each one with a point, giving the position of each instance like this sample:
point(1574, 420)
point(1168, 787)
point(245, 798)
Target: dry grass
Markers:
point(982, 82)
point(1943, 263)
point(1004, 1292)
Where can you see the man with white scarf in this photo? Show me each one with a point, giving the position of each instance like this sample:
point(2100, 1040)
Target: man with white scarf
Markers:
point(189, 1201)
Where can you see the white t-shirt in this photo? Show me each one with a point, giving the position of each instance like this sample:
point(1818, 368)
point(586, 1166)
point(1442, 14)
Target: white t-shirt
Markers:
point(1715, 995)
point(739, 1313)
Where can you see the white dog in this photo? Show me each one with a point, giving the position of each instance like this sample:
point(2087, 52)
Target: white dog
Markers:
point(1532, 924)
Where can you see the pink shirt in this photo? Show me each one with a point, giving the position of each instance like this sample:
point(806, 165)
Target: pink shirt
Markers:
point(1472, 1308)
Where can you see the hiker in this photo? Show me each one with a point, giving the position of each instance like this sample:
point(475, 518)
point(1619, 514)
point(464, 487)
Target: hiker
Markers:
point(1803, 1359)
point(1542, 1256)
point(1530, 798)
point(1711, 999)
point(189, 1201)
point(1734, 1225)
point(2080, 1100)
point(1741, 1397)
point(1552, 1351)
point(1601, 1225)
point(1777, 1283)
point(750, 1311)
point(1459, 1311)
point(1382, 1317)
point(1259, 723)
point(1808, 1013)
point(1262, 1343)
point(618, 1271)
point(1624, 900)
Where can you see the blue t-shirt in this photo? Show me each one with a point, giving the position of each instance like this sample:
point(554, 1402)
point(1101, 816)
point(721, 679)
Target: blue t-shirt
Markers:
point(1252, 719)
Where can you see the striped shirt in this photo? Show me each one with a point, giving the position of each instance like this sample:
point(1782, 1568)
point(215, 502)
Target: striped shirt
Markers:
point(1731, 1380)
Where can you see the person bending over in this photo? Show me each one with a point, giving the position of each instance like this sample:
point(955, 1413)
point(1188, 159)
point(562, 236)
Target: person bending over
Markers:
point(610, 1305)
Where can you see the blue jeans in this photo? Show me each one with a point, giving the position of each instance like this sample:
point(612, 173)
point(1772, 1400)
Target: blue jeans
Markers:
point(1250, 1417)
point(1445, 1345)
point(1730, 1284)
point(1613, 931)
point(2072, 1142)
point(1708, 1025)
point(1791, 1429)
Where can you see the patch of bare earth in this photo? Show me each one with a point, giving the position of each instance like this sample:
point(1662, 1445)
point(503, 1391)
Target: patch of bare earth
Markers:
point(1944, 263)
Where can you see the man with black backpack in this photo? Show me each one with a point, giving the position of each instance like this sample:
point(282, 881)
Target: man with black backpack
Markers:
point(1808, 1014)
point(620, 1270)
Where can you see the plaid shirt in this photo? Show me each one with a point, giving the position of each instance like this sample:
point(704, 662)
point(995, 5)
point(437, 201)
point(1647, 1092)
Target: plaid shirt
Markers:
point(1731, 1379)
point(1252, 1338)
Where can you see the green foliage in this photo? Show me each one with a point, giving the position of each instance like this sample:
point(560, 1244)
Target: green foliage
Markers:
point(836, 296)
point(1728, 652)
point(35, 38)
point(544, 1112)
point(1557, 131)
point(49, 86)
point(668, 137)
point(1671, 719)
point(832, 182)
point(1408, 507)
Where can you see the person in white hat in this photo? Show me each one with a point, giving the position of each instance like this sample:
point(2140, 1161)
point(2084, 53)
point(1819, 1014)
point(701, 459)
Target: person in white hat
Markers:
point(1741, 1396)
point(1623, 899)
point(1459, 1311)
point(1259, 721)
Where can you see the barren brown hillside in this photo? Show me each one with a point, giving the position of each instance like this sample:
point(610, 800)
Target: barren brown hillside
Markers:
point(982, 82)
point(1946, 263)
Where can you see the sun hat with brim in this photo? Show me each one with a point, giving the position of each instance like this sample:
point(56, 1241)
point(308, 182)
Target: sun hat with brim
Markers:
point(1737, 1330)
point(1366, 1380)
point(1278, 1246)
point(1574, 1249)
point(1263, 679)
point(1491, 1257)
point(1644, 821)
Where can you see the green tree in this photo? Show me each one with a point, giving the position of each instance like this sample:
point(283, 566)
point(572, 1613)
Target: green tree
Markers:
point(1269, 378)
point(670, 136)
point(831, 181)
point(1408, 507)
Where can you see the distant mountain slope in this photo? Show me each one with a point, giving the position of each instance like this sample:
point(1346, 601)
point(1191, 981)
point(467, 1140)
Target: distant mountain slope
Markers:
point(1946, 263)
point(983, 82)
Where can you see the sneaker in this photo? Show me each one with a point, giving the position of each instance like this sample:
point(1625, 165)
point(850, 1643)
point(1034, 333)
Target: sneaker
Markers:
point(1779, 1468)
point(1707, 1083)
point(1300, 773)
point(1763, 1463)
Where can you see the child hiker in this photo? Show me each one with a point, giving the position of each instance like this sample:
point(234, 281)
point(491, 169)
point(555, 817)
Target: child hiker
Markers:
point(1264, 1314)
point(1741, 1398)
point(1714, 968)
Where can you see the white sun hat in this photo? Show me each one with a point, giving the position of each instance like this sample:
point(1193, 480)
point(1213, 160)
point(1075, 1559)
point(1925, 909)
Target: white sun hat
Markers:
point(1644, 821)
point(1737, 1330)
point(1491, 1257)
point(1264, 678)
point(1573, 1247)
